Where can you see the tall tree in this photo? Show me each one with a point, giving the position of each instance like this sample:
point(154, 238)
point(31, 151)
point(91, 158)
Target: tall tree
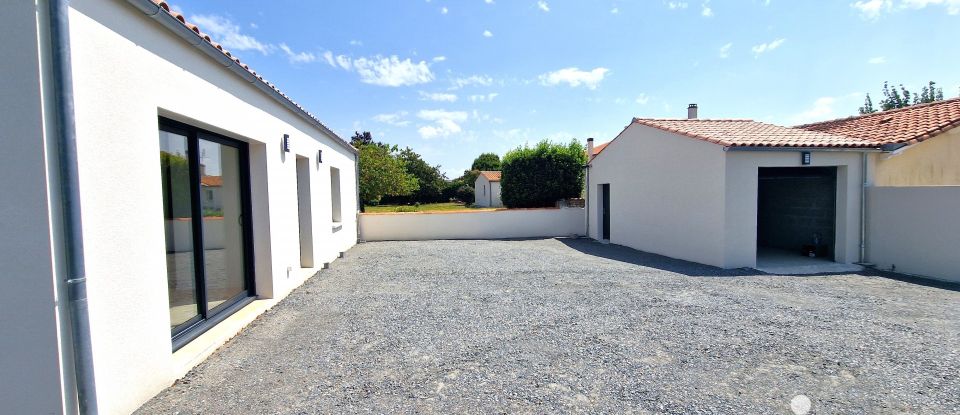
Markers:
point(539, 176)
point(867, 107)
point(382, 173)
point(430, 179)
point(901, 97)
point(486, 161)
point(361, 139)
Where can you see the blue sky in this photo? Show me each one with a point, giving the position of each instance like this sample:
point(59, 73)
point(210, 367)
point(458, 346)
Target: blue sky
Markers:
point(452, 79)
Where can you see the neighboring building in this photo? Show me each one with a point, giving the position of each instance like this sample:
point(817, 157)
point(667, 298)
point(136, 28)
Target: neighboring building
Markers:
point(926, 137)
point(727, 192)
point(181, 257)
point(487, 189)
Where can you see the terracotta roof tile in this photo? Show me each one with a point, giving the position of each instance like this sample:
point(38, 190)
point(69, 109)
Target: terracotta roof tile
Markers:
point(211, 181)
point(908, 125)
point(748, 133)
point(493, 176)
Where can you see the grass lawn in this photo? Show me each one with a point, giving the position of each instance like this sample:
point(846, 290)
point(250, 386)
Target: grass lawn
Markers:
point(428, 207)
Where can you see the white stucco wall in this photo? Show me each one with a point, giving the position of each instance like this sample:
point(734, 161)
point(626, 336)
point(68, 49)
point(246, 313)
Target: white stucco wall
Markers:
point(915, 229)
point(30, 369)
point(128, 71)
point(932, 162)
point(740, 207)
point(495, 194)
point(499, 224)
point(667, 194)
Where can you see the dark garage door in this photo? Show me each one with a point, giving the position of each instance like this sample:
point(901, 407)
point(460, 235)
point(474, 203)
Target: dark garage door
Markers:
point(796, 206)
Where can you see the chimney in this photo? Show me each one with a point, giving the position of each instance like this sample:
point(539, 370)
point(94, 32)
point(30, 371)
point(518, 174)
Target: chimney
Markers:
point(692, 112)
point(590, 149)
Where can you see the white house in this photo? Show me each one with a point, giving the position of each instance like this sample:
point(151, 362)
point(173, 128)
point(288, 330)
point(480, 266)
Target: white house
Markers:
point(730, 193)
point(232, 196)
point(487, 189)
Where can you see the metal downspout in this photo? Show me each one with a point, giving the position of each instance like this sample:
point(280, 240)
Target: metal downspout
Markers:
point(66, 138)
point(586, 202)
point(863, 208)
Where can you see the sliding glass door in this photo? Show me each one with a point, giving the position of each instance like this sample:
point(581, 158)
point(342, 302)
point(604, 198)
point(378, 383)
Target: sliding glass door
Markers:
point(205, 205)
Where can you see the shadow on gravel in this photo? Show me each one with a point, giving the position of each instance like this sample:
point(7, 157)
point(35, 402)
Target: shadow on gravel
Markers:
point(646, 259)
point(693, 269)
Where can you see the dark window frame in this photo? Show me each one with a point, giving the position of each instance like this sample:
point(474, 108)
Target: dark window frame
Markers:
point(208, 317)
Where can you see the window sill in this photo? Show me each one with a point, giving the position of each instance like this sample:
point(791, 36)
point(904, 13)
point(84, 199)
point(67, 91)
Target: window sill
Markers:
point(337, 226)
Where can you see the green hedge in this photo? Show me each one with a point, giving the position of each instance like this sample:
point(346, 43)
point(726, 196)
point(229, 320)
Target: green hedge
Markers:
point(539, 176)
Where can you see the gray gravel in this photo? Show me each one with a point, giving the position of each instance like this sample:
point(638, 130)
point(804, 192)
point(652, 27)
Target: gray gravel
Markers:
point(560, 325)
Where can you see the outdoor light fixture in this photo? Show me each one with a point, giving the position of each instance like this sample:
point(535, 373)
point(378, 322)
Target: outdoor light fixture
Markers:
point(319, 156)
point(805, 158)
point(285, 144)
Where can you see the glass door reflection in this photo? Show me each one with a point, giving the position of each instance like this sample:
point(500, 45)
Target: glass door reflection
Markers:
point(222, 208)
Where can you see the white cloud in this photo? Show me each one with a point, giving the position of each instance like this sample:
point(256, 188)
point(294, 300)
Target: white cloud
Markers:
point(444, 122)
point(227, 34)
point(824, 108)
point(487, 33)
point(542, 4)
point(615, 10)
point(706, 11)
point(356, 43)
point(439, 58)
point(395, 119)
point(642, 99)
point(444, 10)
point(725, 50)
point(871, 9)
point(478, 80)
point(877, 60)
point(383, 71)
point(484, 98)
point(488, 1)
point(574, 77)
point(436, 96)
point(767, 47)
point(297, 57)
point(673, 5)
point(953, 6)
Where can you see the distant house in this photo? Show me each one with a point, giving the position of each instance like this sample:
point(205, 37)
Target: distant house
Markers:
point(730, 192)
point(487, 189)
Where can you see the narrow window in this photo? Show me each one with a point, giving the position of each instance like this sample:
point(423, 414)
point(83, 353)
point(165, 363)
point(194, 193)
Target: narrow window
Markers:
point(335, 194)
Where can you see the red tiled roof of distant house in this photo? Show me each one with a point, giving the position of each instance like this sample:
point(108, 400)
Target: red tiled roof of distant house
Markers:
point(493, 176)
point(211, 181)
point(908, 125)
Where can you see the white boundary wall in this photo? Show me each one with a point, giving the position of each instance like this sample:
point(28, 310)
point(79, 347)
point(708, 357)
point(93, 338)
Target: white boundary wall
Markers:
point(492, 224)
point(917, 229)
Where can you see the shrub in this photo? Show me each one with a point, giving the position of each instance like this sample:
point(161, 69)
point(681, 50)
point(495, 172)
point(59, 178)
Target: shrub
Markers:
point(539, 176)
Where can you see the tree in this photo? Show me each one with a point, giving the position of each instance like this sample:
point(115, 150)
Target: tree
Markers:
point(901, 98)
point(361, 139)
point(430, 179)
point(487, 162)
point(175, 176)
point(867, 107)
point(382, 173)
point(539, 176)
point(461, 188)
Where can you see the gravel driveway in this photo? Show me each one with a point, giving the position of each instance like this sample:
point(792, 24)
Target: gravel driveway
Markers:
point(560, 325)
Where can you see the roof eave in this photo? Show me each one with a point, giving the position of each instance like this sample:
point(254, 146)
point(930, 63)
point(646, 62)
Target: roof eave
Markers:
point(167, 20)
point(819, 149)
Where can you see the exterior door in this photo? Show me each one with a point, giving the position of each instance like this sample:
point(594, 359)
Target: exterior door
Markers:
point(206, 204)
point(605, 205)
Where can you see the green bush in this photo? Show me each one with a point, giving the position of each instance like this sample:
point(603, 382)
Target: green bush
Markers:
point(539, 176)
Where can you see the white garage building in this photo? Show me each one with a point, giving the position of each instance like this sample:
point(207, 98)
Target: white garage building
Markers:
point(146, 170)
point(722, 192)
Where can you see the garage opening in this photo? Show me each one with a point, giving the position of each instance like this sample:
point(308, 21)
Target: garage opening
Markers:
point(796, 215)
